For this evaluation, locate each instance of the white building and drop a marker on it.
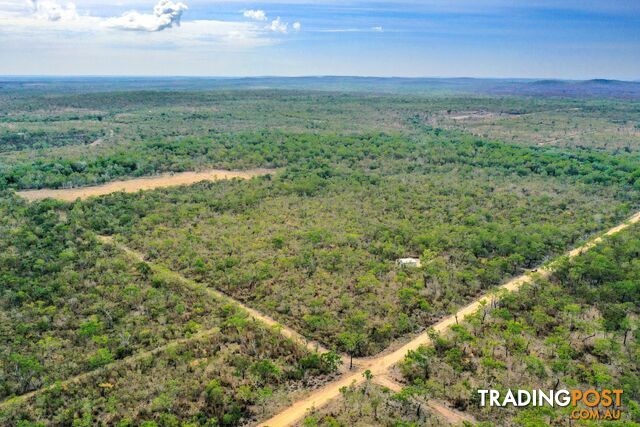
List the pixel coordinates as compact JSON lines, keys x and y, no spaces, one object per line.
{"x":409,"y":262}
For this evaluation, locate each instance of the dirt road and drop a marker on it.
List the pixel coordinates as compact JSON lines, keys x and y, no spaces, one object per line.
{"x":146,"y":183}
{"x":381,"y":364}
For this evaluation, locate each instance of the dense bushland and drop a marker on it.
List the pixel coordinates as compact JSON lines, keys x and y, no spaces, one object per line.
{"x":478,"y":187}
{"x":71,"y":305}
{"x":369,"y":152}
{"x":315,"y":245}
{"x":577,"y":330}
{"x":230,"y":376}
{"x":33,"y":140}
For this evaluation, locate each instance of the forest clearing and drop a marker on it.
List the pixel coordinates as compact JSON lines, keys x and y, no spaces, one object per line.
{"x":139,"y":184}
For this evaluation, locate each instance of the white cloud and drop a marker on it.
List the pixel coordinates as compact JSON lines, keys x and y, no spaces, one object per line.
{"x":377,"y":29}
{"x":297,"y":26}
{"x":166,"y":14}
{"x":278,"y":26}
{"x":52,"y":11}
{"x":57,"y":30}
{"x":204,"y":33}
{"x":258,"y":15}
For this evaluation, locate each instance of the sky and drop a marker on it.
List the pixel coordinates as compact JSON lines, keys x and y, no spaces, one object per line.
{"x":573,"y":39}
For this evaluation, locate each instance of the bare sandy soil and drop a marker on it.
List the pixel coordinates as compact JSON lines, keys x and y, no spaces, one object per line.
{"x":146,"y":183}
{"x":477,"y":115}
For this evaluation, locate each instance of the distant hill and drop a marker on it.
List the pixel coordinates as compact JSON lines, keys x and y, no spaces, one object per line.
{"x":585,"y":88}
{"x":596,"y":88}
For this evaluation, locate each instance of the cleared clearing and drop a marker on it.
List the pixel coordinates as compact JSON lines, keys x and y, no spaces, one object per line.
{"x":146,"y":183}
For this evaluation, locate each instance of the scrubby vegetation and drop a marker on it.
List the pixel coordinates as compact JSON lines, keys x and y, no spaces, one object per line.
{"x":232,"y":375}
{"x":365,"y":153}
{"x":89,"y":138}
{"x":478,"y":187}
{"x":372,"y":405}
{"x":577,"y":330}
{"x":71,"y":305}
{"x":315,"y":246}
{"x":27,"y":140}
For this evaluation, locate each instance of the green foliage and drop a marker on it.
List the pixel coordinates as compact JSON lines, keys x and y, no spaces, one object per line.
{"x":363,"y":180}
{"x":326,"y":363}
{"x":25,"y":139}
{"x":563,"y":338}
{"x":100,"y":358}
{"x":71,"y":303}
{"x":455,"y":199}
{"x":73,"y":306}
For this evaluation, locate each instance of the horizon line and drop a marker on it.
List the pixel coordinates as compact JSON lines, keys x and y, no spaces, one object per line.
{"x":316,"y":76}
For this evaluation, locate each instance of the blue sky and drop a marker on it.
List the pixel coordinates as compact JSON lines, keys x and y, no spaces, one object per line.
{"x":446,"y":38}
